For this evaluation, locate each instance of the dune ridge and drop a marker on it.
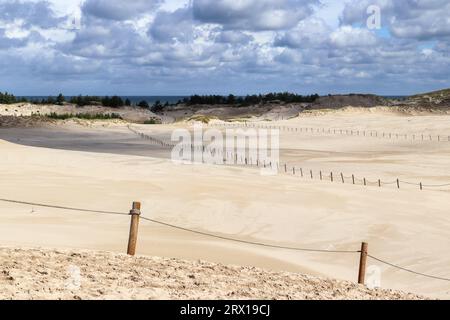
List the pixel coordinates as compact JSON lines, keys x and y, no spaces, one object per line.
{"x":74,"y":275}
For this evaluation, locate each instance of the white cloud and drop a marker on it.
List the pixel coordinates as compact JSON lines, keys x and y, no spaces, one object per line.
{"x":347,"y":36}
{"x":223,"y":45}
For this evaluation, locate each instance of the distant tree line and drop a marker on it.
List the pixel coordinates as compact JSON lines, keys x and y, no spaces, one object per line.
{"x":81,"y":101}
{"x":112,"y":102}
{"x":249,"y":99}
{"x":87,"y":116}
{"x":6,"y":98}
{"x":117,"y":102}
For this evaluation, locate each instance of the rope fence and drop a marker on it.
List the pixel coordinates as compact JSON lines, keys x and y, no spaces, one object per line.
{"x":345,"y":132}
{"x":210,"y":235}
{"x":408,"y":270}
{"x":62,"y":207}
{"x":135,"y":214}
{"x":242,"y":159}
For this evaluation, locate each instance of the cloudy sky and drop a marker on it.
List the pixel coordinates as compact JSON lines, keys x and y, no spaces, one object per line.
{"x":178,"y":47}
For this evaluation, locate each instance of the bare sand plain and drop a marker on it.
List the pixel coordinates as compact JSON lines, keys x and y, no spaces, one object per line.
{"x":408,"y":227}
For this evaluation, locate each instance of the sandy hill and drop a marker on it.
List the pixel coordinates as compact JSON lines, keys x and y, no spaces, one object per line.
{"x":22,"y":112}
{"x":439,"y":98}
{"x":353,"y":100}
{"x":19,"y":114}
{"x":46,"y":274}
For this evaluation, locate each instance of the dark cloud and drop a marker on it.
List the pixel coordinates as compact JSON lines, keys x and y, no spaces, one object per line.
{"x":253,"y":14}
{"x":99,"y":41}
{"x":414,"y":19}
{"x":308,"y":33}
{"x":38,"y":14}
{"x":119,"y":10}
{"x":173,"y":26}
{"x":234,"y":37}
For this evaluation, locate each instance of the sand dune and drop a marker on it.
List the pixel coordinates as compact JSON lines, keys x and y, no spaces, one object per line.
{"x":407,"y":227}
{"x":68,"y":275}
{"x":20,"y":111}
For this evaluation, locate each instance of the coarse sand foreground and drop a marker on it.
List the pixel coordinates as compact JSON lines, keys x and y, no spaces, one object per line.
{"x":57,"y":274}
{"x":406,"y":227}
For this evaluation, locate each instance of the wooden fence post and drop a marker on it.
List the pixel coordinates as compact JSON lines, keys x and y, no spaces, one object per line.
{"x":421,"y":186}
{"x":362,"y":263}
{"x":353,"y":178}
{"x":398,"y":183}
{"x":134,"y":226}
{"x":342,"y":177}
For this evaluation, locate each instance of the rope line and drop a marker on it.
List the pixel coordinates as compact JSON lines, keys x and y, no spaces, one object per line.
{"x":211,"y":235}
{"x":291,"y":248}
{"x":410,"y":183}
{"x":436,"y":185}
{"x":393,"y":182}
{"x":62,"y":207}
{"x":176,"y":227}
{"x":408,"y":270}
{"x":244,"y":241}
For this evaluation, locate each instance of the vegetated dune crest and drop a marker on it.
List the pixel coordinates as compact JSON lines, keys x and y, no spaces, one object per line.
{"x":387,"y":110}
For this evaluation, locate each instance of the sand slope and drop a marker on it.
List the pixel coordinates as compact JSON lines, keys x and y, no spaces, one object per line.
{"x":46,"y":274}
{"x":406,"y":227}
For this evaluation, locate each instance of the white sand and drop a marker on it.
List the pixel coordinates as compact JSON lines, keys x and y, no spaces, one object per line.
{"x":48,"y":274}
{"x":406,"y":226}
